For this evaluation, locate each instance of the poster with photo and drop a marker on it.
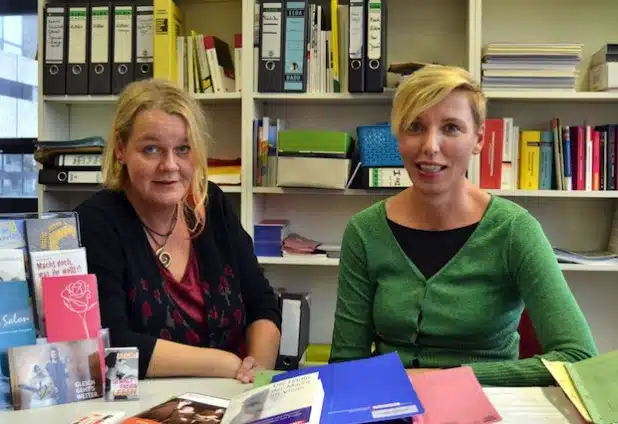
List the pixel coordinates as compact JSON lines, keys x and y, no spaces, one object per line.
{"x":55,"y":373}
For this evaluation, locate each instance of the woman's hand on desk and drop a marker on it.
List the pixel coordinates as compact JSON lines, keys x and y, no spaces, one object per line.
{"x":246,"y":371}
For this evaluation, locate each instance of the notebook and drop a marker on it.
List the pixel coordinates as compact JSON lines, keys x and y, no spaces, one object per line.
{"x":453,"y":396}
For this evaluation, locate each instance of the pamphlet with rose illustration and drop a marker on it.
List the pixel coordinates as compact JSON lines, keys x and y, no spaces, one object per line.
{"x":71,"y":305}
{"x":51,"y":263}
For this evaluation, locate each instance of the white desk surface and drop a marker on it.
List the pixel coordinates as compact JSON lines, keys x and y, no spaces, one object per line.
{"x":516,"y":405}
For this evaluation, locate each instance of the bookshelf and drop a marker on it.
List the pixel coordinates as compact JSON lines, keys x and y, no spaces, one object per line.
{"x":445,"y":31}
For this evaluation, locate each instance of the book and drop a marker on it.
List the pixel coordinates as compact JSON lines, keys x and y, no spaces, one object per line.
{"x":350,"y":394}
{"x":121,"y":373}
{"x":46,"y":374}
{"x":296,"y":400}
{"x":59,"y":233}
{"x":71,"y":307}
{"x":12,"y":265}
{"x":460,"y":390}
{"x":188,"y":407}
{"x":595,"y":384}
{"x":17,"y":328}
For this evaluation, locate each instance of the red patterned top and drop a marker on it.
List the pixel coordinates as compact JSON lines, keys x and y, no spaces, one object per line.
{"x":187,"y":292}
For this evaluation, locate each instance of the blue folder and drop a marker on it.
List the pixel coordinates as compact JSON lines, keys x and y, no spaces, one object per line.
{"x":364,"y":390}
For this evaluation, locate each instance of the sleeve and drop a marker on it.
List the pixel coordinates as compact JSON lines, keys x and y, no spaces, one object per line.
{"x":106,"y":260}
{"x":353,"y":332}
{"x":259,"y":298}
{"x":559,"y":324}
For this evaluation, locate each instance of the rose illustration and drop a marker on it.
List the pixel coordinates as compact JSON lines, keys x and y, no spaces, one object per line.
{"x":76,"y":297}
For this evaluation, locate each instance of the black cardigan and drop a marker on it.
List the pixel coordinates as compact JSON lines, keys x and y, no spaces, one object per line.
{"x":133,"y":302}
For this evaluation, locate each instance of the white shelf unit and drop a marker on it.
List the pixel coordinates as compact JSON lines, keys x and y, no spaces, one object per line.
{"x":444,"y":31}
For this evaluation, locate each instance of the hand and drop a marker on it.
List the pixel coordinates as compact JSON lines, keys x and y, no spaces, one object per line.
{"x":246,"y":371}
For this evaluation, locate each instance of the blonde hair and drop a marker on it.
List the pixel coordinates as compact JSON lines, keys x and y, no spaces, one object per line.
{"x":428,"y":87}
{"x":163,"y":95}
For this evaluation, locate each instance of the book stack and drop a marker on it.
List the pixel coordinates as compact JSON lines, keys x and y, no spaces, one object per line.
{"x":530,"y":66}
{"x":51,"y":340}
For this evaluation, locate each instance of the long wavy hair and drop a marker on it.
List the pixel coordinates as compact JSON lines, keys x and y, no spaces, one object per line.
{"x":162,"y":95}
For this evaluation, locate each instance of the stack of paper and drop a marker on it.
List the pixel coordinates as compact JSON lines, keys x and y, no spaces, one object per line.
{"x":530,"y":66}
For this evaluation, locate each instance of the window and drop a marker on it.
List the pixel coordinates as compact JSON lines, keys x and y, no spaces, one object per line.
{"x":18,"y":103}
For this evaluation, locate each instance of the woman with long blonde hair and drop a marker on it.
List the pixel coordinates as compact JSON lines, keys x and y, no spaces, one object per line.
{"x":176,"y":271}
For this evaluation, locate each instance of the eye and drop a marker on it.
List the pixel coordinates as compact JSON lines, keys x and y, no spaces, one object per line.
{"x":415,"y":127}
{"x":151,"y":150}
{"x":183,"y":150}
{"x":452,"y":129}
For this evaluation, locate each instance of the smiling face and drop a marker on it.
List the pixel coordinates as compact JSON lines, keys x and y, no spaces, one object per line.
{"x":436,"y":147}
{"x":157,"y":157}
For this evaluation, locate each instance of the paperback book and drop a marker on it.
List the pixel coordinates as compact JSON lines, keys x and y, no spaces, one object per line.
{"x":121,"y":373}
{"x":46,"y":374}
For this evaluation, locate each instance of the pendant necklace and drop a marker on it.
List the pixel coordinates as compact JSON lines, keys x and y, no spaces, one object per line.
{"x":163,"y":256}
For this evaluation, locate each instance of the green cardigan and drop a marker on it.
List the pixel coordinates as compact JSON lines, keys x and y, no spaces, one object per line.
{"x":468,"y":312}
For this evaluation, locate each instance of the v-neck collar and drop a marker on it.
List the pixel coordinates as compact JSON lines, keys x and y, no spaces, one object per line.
{"x":395,"y":246}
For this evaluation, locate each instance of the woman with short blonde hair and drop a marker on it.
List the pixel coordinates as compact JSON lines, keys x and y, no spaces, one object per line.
{"x":442,"y":271}
{"x":176,"y":271}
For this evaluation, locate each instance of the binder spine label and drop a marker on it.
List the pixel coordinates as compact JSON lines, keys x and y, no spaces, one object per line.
{"x":389,"y":177}
{"x":271,"y":32}
{"x":144,"y":50}
{"x":54,"y":37}
{"x":374,"y":32}
{"x":99,"y":52}
{"x":78,"y":160}
{"x":123,"y":36}
{"x":356,"y":29}
{"x":84,"y":177}
{"x":295,"y":46}
{"x":77,"y":35}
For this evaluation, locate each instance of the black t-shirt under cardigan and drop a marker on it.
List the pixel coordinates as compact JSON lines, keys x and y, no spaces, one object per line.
{"x":134,"y":303}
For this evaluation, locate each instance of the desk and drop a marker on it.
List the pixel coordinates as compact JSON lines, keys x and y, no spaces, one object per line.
{"x":516,"y":405}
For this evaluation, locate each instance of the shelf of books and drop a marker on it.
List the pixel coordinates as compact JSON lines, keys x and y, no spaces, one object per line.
{"x":278,"y":97}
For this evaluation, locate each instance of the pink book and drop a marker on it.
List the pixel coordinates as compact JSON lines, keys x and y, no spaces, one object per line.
{"x":71,"y":305}
{"x":452,"y":396}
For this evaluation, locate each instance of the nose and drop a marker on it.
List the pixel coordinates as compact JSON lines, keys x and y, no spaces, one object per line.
{"x":431,"y":141}
{"x":168,"y":162}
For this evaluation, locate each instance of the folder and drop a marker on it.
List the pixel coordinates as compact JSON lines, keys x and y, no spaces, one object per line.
{"x":100,"y":68}
{"x":78,"y":35}
{"x":295,"y":311}
{"x":272,"y":28}
{"x":168,"y":24}
{"x":122,"y":37}
{"x":144,"y":39}
{"x":375,"y":59}
{"x":54,"y":65}
{"x":295,"y":46}
{"x":357,"y":50}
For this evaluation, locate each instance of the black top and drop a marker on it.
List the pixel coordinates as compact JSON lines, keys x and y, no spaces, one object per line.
{"x":430,"y":250}
{"x":134,"y":302}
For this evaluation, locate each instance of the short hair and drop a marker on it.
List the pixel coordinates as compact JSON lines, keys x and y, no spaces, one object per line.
{"x":428,"y":87}
{"x":150,"y":94}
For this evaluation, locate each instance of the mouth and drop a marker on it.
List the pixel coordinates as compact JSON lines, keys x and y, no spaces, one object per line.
{"x":166,"y":183}
{"x":430,"y":168}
